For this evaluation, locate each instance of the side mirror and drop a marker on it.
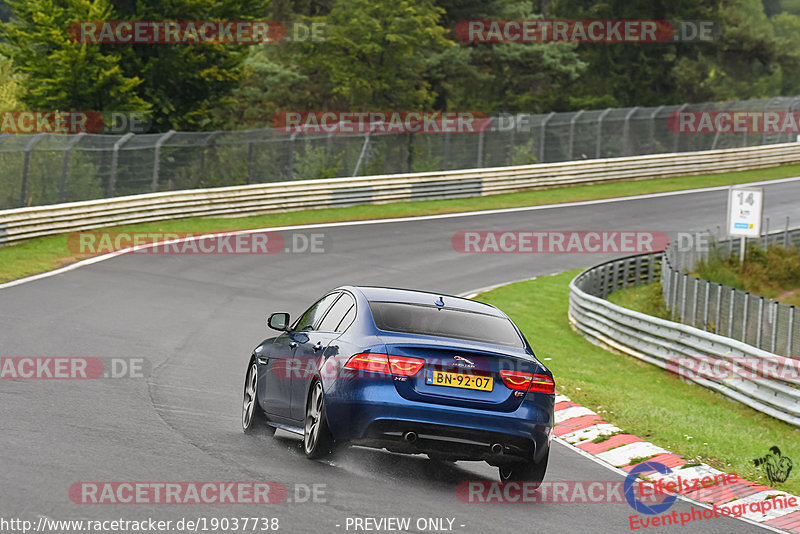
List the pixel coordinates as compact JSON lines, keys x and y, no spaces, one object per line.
{"x":279,"y":321}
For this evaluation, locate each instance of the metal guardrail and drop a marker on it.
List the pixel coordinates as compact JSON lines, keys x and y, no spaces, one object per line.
{"x":48,"y":168}
{"x":25,"y":223}
{"x":758,"y":321}
{"x":666,"y":344}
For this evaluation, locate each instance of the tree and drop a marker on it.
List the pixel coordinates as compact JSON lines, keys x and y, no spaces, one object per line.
{"x":630,"y":74}
{"x":59,"y":74}
{"x":375,"y":54}
{"x":9,"y":85}
{"x":743,"y":62}
{"x":507,"y":76}
{"x":185,"y":82}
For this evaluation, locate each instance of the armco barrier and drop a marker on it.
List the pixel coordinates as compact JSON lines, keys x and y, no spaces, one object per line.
{"x":662,"y":342}
{"x":25,"y":223}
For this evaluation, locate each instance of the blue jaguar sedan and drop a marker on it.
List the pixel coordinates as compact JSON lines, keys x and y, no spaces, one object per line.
{"x":409,"y":371}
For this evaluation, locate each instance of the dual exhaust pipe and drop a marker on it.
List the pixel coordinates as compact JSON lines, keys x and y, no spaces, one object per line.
{"x":411,"y":437}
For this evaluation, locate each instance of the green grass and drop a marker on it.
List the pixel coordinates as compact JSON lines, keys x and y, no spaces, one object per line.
{"x":644,"y":299}
{"x":773,"y":273}
{"x":640,"y":398}
{"x":44,"y":254}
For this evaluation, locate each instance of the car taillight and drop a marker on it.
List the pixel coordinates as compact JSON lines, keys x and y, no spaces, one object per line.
{"x":516,"y":380}
{"x":384,"y":363}
{"x":543,"y":384}
{"x":521,"y":381}
{"x":405,"y":366}
{"x":368,"y":361}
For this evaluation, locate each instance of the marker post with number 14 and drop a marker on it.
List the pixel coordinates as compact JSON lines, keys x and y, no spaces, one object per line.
{"x":745,"y":206}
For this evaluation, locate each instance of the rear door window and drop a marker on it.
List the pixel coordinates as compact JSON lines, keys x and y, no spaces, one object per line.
{"x":335,"y":319}
{"x":312,"y":315}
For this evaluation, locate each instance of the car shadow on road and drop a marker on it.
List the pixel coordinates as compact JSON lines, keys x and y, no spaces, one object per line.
{"x":402,"y":468}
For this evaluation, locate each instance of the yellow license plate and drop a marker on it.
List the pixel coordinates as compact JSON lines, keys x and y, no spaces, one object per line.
{"x":458,"y":380}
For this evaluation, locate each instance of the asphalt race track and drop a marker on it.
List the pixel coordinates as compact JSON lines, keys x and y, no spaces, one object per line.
{"x":196,"y":319}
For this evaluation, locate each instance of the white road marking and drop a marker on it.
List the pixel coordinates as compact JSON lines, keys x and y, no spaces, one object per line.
{"x":104,"y":257}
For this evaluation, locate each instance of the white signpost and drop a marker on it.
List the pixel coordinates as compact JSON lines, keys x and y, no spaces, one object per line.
{"x":745,"y":206}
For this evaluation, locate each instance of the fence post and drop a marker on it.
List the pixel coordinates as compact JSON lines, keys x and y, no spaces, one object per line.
{"x":543,"y":134}
{"x":685,"y":282}
{"x":249,"y":179}
{"x":791,"y":332}
{"x":786,"y":234}
{"x":62,"y":188}
{"x":572,"y":133}
{"x":290,"y":155}
{"x":674,"y":286}
{"x":480,"y":149}
{"x":760,"y":321}
{"x":719,"y":307}
{"x":730,"y":313}
{"x":25,"y":166}
{"x":157,"y":159}
{"x":511,"y":141}
{"x":653,"y":116}
{"x":446,"y":151}
{"x":694,"y":302}
{"x":705,"y":306}
{"x":112,"y":178}
{"x":744,"y":316}
{"x":626,"y":131}
{"x":206,"y":143}
{"x":775,"y":309}
{"x":676,"y":136}
{"x":363,"y":153}
{"x":600,"y":132}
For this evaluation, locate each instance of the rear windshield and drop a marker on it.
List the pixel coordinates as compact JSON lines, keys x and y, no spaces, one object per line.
{"x":435,"y":321}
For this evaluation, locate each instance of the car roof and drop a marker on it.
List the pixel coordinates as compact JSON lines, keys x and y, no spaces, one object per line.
{"x":412,"y":296}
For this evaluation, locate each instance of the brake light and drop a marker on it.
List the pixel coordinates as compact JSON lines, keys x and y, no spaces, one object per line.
{"x":405,"y":366}
{"x":521,"y":381}
{"x":543,"y":384}
{"x":383,"y":363}
{"x":367,"y":361}
{"x":516,"y":380}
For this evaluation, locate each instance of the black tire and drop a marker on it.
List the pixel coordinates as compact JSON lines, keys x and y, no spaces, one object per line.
{"x":253,"y":418}
{"x":528,"y":471}
{"x":317,"y":438}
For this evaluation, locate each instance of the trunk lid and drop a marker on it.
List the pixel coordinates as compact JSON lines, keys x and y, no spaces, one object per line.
{"x":460,"y":373}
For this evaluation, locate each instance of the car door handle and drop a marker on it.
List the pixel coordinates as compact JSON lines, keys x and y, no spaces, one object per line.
{"x":293,"y":344}
{"x":262,"y":360}
{"x":317,"y":347}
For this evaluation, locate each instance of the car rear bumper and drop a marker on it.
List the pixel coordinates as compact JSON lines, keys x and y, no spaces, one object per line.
{"x":378,"y":416}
